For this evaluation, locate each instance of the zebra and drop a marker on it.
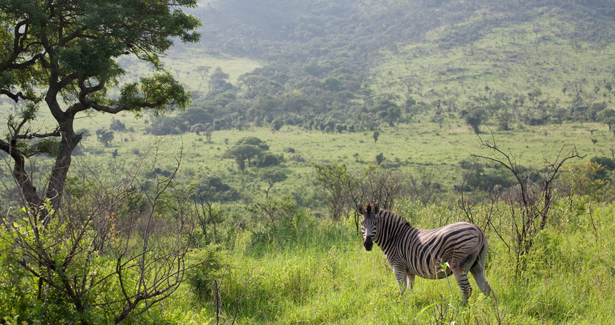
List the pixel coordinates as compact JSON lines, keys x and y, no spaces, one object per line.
{"x":429,"y":253}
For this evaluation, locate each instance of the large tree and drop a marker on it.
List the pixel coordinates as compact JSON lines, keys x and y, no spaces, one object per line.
{"x":62,"y":56}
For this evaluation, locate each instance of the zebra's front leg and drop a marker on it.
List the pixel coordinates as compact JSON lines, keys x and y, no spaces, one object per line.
{"x":410,"y":280}
{"x":400,"y":276}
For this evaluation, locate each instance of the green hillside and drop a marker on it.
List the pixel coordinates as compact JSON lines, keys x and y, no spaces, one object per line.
{"x":241,"y":207}
{"x":356,"y":63}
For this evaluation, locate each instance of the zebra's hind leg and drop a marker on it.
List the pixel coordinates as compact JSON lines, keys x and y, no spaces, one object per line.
{"x":464,"y":284}
{"x":478,"y":271}
{"x":479,"y":276}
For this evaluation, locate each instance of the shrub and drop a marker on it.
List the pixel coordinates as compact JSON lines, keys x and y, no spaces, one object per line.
{"x":270,"y":159}
{"x":117,"y":125}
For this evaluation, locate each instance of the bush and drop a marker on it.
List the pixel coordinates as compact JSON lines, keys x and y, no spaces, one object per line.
{"x":606,"y":162}
{"x":214,"y":189}
{"x":117,"y":125}
{"x":270,"y":159}
{"x":201,"y":278}
{"x":270,"y":216}
{"x":586,"y":179}
{"x":166,"y":125}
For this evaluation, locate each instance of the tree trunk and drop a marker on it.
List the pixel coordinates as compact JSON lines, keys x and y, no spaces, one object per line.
{"x":69,"y":141}
{"x":475,"y":128}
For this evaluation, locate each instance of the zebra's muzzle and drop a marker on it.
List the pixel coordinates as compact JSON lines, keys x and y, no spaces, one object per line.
{"x":368,"y":244}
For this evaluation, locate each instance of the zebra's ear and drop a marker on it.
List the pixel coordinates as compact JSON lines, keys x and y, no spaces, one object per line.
{"x":361,"y":210}
{"x":376,"y":208}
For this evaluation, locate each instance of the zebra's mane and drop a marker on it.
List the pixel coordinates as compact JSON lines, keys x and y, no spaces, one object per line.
{"x":394,"y":216}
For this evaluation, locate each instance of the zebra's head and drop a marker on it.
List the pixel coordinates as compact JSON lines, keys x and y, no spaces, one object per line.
{"x":368,"y":225}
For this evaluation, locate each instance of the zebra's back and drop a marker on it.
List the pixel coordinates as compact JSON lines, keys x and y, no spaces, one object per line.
{"x":426,"y":250}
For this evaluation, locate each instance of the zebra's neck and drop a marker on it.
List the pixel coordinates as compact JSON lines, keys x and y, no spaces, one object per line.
{"x":390,"y":226}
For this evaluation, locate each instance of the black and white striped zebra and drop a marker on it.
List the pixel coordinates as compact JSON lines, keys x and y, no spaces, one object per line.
{"x":428,"y":253}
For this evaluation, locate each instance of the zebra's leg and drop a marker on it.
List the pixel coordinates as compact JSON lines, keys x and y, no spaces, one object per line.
{"x":400,"y":276}
{"x":479,"y":277}
{"x":478,"y":271}
{"x":410,"y":280}
{"x":464,"y":284}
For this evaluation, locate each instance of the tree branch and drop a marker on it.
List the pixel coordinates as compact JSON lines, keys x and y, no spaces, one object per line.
{"x":17,"y":96}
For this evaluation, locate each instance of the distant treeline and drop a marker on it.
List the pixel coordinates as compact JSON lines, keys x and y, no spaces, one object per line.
{"x":320,"y":55}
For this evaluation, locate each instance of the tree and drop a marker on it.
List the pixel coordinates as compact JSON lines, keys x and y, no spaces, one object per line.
{"x":560,"y":114}
{"x":375,"y":136}
{"x":607,"y":117}
{"x":474,"y":118}
{"x":203,"y":71}
{"x":241,"y":152}
{"x":388,"y":111}
{"x":332,"y":84}
{"x":379,"y":158}
{"x":117,"y":125}
{"x":218,"y":80}
{"x":342,"y":187}
{"x":504,"y":120}
{"x":277,"y":124}
{"x":530,"y":207}
{"x":254,"y":141}
{"x":272,"y":177}
{"x":55,"y":53}
{"x":104,"y":136}
{"x":271,"y":214}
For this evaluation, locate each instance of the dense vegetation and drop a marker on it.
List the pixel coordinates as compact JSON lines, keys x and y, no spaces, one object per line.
{"x":343,"y":65}
{"x":240,"y":208}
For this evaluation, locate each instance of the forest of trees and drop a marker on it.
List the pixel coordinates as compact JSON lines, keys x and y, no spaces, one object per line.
{"x":320,"y":62}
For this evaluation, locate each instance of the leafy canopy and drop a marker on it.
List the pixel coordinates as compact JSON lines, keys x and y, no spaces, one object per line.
{"x":73,"y":48}
{"x":65,"y":55}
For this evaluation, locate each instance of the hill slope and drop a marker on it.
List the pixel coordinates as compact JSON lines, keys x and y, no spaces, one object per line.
{"x":340,"y":61}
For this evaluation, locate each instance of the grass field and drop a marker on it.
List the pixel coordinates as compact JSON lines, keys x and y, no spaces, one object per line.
{"x":513,"y":59}
{"x":416,"y":148}
{"x":185,"y":64}
{"x":317,"y":272}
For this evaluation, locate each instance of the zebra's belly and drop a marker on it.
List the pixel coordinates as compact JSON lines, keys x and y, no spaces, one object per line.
{"x":434,"y":269}
{"x":437,"y":275}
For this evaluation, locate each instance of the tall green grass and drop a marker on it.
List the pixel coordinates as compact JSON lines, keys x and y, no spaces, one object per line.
{"x":317,"y":272}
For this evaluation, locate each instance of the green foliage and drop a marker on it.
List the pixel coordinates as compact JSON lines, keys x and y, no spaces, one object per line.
{"x":493,"y":179}
{"x":375,"y":136}
{"x":253,"y":141}
{"x":104,"y":136}
{"x":270,"y":216}
{"x":589,"y":179}
{"x":241,"y":152}
{"x":50,"y":146}
{"x":605,"y":162}
{"x":379,"y":158}
{"x":214,"y":189}
{"x":201,"y":279}
{"x":340,"y":184}
{"x":272,"y":176}
{"x":474,"y":117}
{"x":117,"y":125}
{"x":322,"y":273}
